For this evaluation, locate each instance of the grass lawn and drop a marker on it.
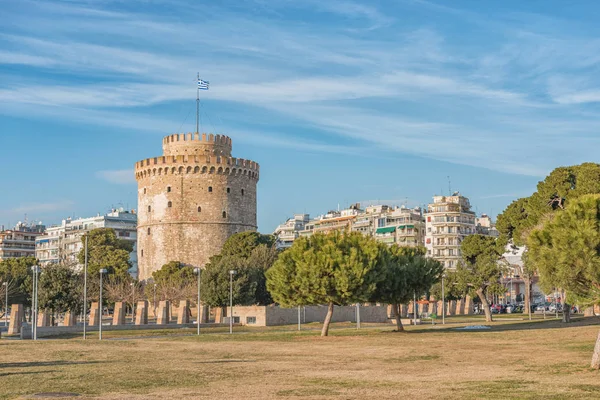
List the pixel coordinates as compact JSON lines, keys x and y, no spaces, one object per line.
{"x":515,"y":359}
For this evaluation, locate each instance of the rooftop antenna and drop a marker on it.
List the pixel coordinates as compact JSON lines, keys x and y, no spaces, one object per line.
{"x":449,"y":186}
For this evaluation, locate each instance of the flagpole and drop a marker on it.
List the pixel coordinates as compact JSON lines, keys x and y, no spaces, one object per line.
{"x":197,"y":102}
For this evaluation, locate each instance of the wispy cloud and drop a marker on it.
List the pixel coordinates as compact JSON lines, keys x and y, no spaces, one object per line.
{"x":42,"y":207}
{"x":120,"y":177}
{"x":363,"y":84}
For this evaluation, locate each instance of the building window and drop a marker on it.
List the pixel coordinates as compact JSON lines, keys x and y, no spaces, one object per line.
{"x":228,"y":190}
{"x":242,"y":192}
{"x":144,"y":190}
{"x":210,"y":189}
{"x":149,"y":208}
{"x":224,"y":214}
{"x":199,"y":209}
{"x":170,"y":204}
{"x":236,"y":320}
{"x":148,"y":231}
{"x":250,"y":320}
{"x":168,"y":189}
{"x":142,"y":253}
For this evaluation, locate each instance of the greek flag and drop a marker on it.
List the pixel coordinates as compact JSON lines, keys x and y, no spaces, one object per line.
{"x":203,"y":85}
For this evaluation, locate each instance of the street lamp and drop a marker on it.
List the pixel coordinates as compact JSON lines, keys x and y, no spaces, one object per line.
{"x":357,"y":315}
{"x":85,"y":268}
{"x":443,"y":303}
{"x":197,"y":271}
{"x":132,"y":284}
{"x":34,"y":306}
{"x":154,"y":301}
{"x":231,"y":273}
{"x":102,"y":272}
{"x":5,"y":284}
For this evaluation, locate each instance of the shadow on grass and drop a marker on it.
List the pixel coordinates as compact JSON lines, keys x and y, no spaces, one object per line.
{"x":224,"y":361}
{"x":2,"y":374}
{"x":45,"y":363}
{"x":498,"y":326}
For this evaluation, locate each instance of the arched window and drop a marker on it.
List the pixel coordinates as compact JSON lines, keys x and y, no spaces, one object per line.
{"x":149,"y":208}
{"x":170,"y":204}
{"x":148,"y":231}
{"x":228,"y":190}
{"x":242,"y":192}
{"x":168,"y":189}
{"x":144,"y":190}
{"x":199,"y":209}
{"x":224,"y":214}
{"x":210,"y":189}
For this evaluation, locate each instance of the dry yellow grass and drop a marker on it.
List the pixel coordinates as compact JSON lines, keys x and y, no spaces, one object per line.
{"x":511,"y":361}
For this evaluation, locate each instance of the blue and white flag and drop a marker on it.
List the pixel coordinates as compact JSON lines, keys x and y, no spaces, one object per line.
{"x":203,"y":85}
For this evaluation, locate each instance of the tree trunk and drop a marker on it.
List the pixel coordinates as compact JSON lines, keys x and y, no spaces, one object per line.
{"x":485,"y":305}
{"x":566,"y":313}
{"x":528,"y":295}
{"x":396,"y":308}
{"x":596,"y":355}
{"x":325,"y":330}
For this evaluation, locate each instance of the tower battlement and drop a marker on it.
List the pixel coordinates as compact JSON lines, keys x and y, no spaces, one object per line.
{"x":196,"y":144}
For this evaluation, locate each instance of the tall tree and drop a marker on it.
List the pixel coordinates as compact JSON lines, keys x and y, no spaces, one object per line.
{"x":18,"y":272}
{"x":60,"y":289}
{"x":332,"y":269}
{"x":106,"y":251}
{"x":250,"y":254}
{"x":407,"y":272}
{"x":480,"y":271}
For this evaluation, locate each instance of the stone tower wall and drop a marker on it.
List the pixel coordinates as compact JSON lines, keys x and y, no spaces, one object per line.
{"x":191,"y":200}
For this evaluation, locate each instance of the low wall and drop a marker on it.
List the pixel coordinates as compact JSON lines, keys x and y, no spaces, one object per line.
{"x":275,"y":315}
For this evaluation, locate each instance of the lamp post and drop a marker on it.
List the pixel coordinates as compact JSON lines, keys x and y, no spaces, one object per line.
{"x":154,"y":301}
{"x":132,"y":284}
{"x":299,"y":313}
{"x":85,"y":265}
{"x":102,"y":272}
{"x":197,"y":271}
{"x":357,"y":315}
{"x":443,"y":303}
{"x":34,"y":306}
{"x":231,"y":273}
{"x":5,"y":284}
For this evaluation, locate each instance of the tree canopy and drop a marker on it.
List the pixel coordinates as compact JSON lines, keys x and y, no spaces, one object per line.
{"x":480,"y":270}
{"x":17,"y":271}
{"x":553,"y":193}
{"x":60,"y":289}
{"x":250,"y":255}
{"x":332,"y":269}
{"x":105,"y":250}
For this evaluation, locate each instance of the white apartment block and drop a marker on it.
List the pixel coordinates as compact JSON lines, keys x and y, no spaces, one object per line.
{"x":287,"y":232}
{"x":63,"y":243}
{"x":448,"y":221}
{"x":402,"y":226}
{"x":20,"y":241}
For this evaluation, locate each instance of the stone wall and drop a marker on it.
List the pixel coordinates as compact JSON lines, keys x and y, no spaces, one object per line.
{"x":275,"y":315}
{"x":190,"y":203}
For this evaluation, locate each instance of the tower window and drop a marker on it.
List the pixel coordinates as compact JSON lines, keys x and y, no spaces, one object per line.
{"x":228,"y":190}
{"x":242,"y":192}
{"x":199,"y":209}
{"x":149,"y":208}
{"x":148,"y":231}
{"x":224,"y":214}
{"x":144,"y":190}
{"x":210,"y":189}
{"x":170,"y":204}
{"x":168,"y":189}
{"x":142,"y":252}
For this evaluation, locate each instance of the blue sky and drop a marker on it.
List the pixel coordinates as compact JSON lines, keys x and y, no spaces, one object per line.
{"x":339,"y":101}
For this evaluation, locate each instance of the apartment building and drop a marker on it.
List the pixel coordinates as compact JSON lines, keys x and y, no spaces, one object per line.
{"x":62,"y":243}
{"x":402,"y":226}
{"x":287,"y":232}
{"x":20,"y":241}
{"x":449,"y":219}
